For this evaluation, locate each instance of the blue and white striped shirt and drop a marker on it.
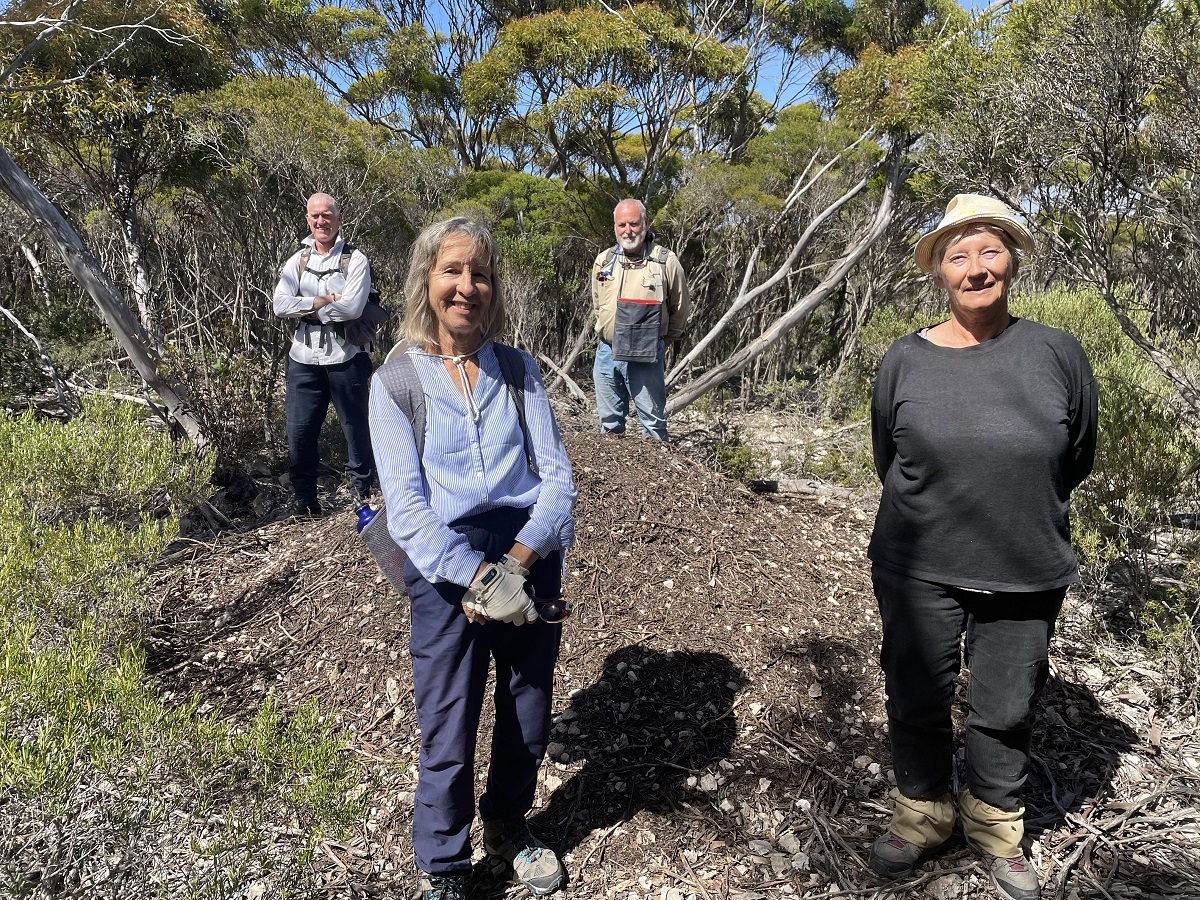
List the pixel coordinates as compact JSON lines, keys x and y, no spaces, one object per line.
{"x":470,"y":467}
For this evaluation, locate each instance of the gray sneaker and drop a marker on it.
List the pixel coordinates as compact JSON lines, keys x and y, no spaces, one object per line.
{"x":1014,"y":878}
{"x":510,"y":844}
{"x":892,"y":856}
{"x":443,"y":887}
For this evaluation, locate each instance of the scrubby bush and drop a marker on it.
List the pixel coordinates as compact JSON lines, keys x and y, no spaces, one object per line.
{"x":98,"y":776}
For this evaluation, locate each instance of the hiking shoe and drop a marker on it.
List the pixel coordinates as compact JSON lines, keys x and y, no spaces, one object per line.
{"x":1014,"y":877}
{"x":892,"y":856}
{"x":443,"y":887}
{"x":510,"y":844}
{"x":307,"y":508}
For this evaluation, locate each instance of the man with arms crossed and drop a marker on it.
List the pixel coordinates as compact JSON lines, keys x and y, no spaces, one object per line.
{"x":320,"y":293}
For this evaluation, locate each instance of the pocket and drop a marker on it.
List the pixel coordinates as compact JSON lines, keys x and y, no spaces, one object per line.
{"x":635,"y":337}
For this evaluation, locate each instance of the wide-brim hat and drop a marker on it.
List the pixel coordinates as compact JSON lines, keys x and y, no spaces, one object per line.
{"x":971,"y":209}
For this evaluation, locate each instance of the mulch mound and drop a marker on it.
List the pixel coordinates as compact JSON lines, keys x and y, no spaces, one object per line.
{"x":719,"y":720}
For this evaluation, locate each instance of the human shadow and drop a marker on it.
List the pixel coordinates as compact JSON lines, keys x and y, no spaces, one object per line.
{"x":653,"y":720}
{"x":1077,"y":749}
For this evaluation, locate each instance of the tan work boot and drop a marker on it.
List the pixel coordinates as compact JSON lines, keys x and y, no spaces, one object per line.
{"x":917,"y":826}
{"x":997,"y":834}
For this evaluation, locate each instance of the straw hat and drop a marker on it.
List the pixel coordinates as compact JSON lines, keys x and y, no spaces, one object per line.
{"x":969,"y":209}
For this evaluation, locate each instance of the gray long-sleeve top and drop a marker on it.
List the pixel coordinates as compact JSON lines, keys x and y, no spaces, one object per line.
{"x":978,"y":449}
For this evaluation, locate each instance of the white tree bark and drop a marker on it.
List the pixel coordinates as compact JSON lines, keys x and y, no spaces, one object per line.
{"x":735,"y":364}
{"x":116,"y":313}
{"x":746,"y":294}
{"x":126,"y":213}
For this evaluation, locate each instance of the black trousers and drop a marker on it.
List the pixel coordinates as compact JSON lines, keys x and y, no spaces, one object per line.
{"x":1007,"y":639}
{"x":310,"y":389}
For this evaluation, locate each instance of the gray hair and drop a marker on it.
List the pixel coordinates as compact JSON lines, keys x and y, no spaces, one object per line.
{"x":333,"y":204}
{"x":420,"y":324}
{"x":952,"y":237}
{"x":640,"y":205}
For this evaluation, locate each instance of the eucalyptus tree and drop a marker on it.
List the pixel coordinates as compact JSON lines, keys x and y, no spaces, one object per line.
{"x":59,"y":49}
{"x":1086,"y":113}
{"x":394,"y":63}
{"x":101,"y":109}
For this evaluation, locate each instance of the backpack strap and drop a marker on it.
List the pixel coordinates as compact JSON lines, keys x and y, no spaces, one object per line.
{"x":302,"y":263}
{"x":512,"y":367}
{"x":344,"y":262}
{"x":398,"y":375}
{"x":609,"y":263}
{"x":658,"y":254}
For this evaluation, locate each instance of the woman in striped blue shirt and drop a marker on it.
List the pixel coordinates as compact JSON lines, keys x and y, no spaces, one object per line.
{"x":481,"y":503}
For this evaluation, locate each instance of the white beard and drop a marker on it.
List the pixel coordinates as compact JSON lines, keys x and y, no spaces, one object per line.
{"x":632,"y":245}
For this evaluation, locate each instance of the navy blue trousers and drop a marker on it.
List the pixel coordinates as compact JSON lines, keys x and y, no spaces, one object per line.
{"x":1007,"y":640}
{"x":309,"y":392}
{"x":450,"y":658}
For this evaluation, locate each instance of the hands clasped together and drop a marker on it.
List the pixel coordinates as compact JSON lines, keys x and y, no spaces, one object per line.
{"x":500,"y":593}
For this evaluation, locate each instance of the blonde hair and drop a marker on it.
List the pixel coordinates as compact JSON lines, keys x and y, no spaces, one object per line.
{"x":420,"y":324}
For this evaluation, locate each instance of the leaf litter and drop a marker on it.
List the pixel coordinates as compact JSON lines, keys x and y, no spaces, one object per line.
{"x":719,"y":729}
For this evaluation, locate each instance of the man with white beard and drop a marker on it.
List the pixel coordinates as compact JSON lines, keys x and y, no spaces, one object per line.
{"x":640,"y":299}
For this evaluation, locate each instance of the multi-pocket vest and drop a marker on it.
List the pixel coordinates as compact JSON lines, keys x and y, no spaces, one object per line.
{"x":641,"y":295}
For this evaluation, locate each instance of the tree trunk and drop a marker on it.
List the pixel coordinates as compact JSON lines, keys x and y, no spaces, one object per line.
{"x":126,"y":214}
{"x":116,"y":313}
{"x":721,"y":373}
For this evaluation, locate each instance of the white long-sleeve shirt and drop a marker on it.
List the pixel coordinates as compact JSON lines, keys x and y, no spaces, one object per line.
{"x":296,"y":291}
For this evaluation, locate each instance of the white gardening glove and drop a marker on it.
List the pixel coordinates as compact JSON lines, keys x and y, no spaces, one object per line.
{"x":500,"y":594}
{"x":510,"y":564}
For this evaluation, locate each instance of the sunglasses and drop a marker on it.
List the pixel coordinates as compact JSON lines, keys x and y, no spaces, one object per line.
{"x":553,"y":611}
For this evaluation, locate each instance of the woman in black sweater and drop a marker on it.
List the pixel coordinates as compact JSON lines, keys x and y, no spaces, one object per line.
{"x":981,"y":427}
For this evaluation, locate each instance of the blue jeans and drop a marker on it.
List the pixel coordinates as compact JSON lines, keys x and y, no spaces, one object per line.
{"x":450,"y":659}
{"x":1007,"y":639}
{"x":309,"y":392}
{"x":619,"y":382}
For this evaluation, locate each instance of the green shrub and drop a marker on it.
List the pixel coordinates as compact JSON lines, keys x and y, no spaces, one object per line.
{"x":1144,"y":454}
{"x":736,"y":459}
{"x":86,"y":746}
{"x":106,"y":462}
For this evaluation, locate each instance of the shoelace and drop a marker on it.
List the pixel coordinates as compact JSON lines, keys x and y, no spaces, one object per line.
{"x":445,"y":888}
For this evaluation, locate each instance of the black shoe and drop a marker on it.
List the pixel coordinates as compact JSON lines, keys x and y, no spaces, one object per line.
{"x":307,"y":508}
{"x":443,"y":887}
